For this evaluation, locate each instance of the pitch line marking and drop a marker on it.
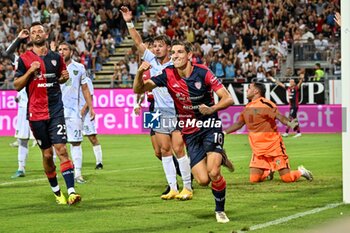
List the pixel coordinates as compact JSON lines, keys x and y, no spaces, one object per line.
{"x":291,"y":217}
{"x":104,"y":172}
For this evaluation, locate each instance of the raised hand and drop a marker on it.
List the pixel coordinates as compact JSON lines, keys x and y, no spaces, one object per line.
{"x":337,"y":18}
{"x":127,"y":14}
{"x":144,"y":66}
{"x":23,"y":34}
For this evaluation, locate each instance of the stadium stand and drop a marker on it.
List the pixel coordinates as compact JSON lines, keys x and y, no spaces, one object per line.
{"x":281,"y":36}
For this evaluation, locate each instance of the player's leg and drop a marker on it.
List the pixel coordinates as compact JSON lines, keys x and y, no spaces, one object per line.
{"x":291,"y":112}
{"x":184,"y":165}
{"x":40,"y":131}
{"x":89,"y":129}
{"x":155,"y":145}
{"x":297,"y":128}
{"x":22,"y":134}
{"x":218,"y":185}
{"x":75,"y":137}
{"x":57,"y":135}
{"x":289,"y":176}
{"x":164,"y":141}
{"x":96,"y":147}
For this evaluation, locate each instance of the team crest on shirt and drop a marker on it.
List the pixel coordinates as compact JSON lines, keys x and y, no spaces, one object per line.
{"x":198,"y":85}
{"x":54,"y":62}
{"x":75,"y":72}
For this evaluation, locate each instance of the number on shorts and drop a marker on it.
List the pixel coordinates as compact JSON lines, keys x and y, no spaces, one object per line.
{"x":61,"y":129}
{"x":218,"y":138}
{"x":77,"y":133}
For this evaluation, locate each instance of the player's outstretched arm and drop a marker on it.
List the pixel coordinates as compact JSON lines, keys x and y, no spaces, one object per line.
{"x":139,"y":85}
{"x":233,"y":128}
{"x":127,"y":16}
{"x":284,"y":120}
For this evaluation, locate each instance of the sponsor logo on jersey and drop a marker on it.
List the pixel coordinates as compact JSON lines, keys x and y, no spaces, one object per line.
{"x":45,"y":84}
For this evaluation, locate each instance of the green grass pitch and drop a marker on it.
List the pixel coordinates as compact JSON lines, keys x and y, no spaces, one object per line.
{"x":125,"y":196}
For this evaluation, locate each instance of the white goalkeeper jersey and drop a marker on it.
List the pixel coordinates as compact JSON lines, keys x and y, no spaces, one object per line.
{"x":71,"y":90}
{"x":162,"y":99}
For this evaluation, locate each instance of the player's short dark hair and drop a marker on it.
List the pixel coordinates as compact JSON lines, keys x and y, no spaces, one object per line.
{"x":261,"y":88}
{"x":149,"y":40}
{"x":35,"y":24}
{"x":188,"y":46}
{"x":163,"y":38}
{"x":71,"y":48}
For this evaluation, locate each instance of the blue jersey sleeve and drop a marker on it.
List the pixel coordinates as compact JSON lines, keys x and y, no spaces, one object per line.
{"x":161,"y":79}
{"x":21,"y":68}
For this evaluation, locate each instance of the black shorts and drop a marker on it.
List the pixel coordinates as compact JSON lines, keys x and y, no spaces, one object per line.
{"x":293,"y":112}
{"x":200,"y":143}
{"x":49,"y":132}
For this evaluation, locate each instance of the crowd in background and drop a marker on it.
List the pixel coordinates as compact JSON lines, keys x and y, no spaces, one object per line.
{"x":239,"y":40}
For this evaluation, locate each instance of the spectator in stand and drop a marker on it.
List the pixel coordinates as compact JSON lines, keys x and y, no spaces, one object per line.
{"x":217,"y":46}
{"x":337,"y":65}
{"x":321,"y":45}
{"x":260,"y":74}
{"x":229,"y":70}
{"x":227,"y":46}
{"x":133,"y":67}
{"x":206,"y":47}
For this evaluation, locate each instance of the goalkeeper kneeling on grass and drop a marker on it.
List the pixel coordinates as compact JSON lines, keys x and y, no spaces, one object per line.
{"x":269,"y":152}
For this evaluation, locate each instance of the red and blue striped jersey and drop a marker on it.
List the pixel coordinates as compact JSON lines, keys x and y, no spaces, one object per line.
{"x":190,"y":92}
{"x":43,"y":89}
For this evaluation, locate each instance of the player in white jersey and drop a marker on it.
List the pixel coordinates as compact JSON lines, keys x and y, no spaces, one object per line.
{"x":169,"y":138}
{"x":23,"y":132}
{"x":89,"y":128}
{"x":71,"y":91}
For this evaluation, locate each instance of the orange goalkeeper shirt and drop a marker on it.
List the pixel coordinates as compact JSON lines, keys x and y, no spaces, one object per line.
{"x":259,"y":117}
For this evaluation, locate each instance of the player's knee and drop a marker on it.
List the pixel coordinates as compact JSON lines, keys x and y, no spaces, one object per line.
{"x":255,"y":178}
{"x":203,"y":181}
{"x":179,"y":150}
{"x":165,"y":150}
{"x":214,"y":173}
{"x":61,"y":151}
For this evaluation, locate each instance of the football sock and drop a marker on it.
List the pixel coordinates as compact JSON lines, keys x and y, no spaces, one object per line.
{"x":170,"y":171}
{"x":68,"y":175}
{"x":22,"y":153}
{"x":184,"y":166}
{"x":52,"y":177}
{"x":218,"y":189}
{"x":176,"y":163}
{"x":291,"y":177}
{"x":98,"y":153}
{"x":77,"y":156}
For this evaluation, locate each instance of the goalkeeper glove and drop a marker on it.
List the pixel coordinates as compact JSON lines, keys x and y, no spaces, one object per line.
{"x":292,"y":124}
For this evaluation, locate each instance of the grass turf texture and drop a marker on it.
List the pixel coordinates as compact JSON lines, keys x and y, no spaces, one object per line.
{"x":125,"y":195}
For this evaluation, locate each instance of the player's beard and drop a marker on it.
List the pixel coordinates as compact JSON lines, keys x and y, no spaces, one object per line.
{"x":40,"y":42}
{"x":67,"y":59}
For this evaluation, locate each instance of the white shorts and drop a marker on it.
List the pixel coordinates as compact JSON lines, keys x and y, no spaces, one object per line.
{"x":22,"y":127}
{"x":74,"y":129}
{"x":89,"y":127}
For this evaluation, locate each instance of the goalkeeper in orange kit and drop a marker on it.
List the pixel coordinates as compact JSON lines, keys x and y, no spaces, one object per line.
{"x":269,"y":152}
